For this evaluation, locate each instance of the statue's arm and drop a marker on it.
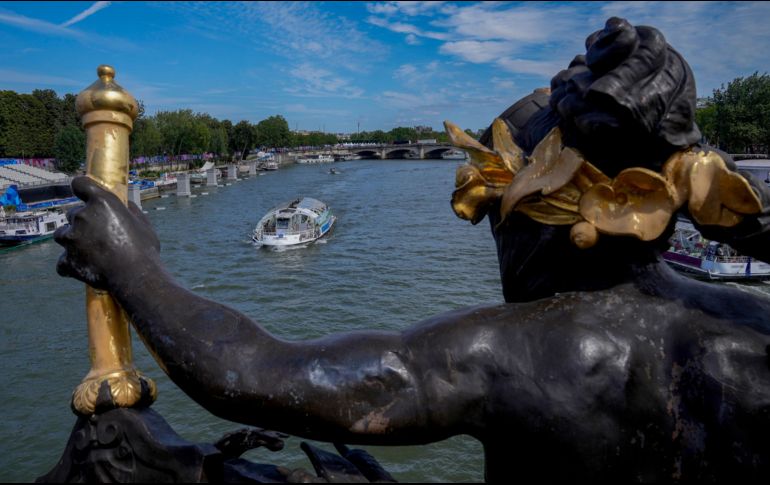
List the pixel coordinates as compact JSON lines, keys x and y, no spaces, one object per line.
{"x":365,"y":387}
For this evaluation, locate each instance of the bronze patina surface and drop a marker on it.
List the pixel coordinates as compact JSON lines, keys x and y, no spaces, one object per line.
{"x":603,"y":364}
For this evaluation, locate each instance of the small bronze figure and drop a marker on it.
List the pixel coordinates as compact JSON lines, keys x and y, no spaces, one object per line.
{"x":602,"y":365}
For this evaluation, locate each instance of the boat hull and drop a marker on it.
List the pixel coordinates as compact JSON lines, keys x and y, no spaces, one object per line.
{"x":8,"y":241}
{"x":294,"y":239}
{"x":718,"y":271}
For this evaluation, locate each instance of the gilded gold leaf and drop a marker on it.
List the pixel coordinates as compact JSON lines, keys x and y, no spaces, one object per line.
{"x":587,"y":176}
{"x":488,"y":162}
{"x":551,"y":167}
{"x":677,"y":171}
{"x":718,"y":195}
{"x":502,"y":139}
{"x":543,"y":212}
{"x":473,"y":195}
{"x":638,"y":202}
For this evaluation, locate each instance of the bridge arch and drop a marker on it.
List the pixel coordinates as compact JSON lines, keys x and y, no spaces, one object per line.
{"x":436,"y":152}
{"x":368,"y":153}
{"x":399,"y":153}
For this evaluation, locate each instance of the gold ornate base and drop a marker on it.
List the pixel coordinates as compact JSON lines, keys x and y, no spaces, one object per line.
{"x":125,"y":390}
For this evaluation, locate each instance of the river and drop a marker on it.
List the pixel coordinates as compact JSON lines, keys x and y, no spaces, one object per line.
{"x":397,"y":255}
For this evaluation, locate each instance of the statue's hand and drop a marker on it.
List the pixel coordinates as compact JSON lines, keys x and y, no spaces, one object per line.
{"x":105,"y":240}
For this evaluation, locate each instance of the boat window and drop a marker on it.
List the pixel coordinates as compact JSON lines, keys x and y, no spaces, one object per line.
{"x":50,"y":226}
{"x":283,"y":223}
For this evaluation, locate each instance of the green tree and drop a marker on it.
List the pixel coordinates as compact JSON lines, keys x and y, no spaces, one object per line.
{"x":146,"y":139}
{"x":70,"y":115}
{"x":273,"y":132}
{"x":70,"y":149}
{"x":706,"y":118}
{"x":737,"y":117}
{"x":228,"y":127}
{"x":24,"y":128}
{"x":200,"y":137}
{"x":403,"y":134}
{"x":179,"y":131}
{"x":243,"y":138}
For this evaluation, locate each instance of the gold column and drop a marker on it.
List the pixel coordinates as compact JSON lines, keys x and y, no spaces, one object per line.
{"x":107,"y":113}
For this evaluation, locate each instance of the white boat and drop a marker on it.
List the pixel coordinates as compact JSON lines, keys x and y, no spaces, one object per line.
{"x":695,"y":255}
{"x":200,"y":176}
{"x":166,"y":180}
{"x":300,"y":221}
{"x":454,"y":155}
{"x":270,"y":165}
{"x":28,"y":227}
{"x":316,"y":159}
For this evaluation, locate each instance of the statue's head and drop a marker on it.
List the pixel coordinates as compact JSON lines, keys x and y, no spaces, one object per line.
{"x":630,"y":94}
{"x":603,"y":166}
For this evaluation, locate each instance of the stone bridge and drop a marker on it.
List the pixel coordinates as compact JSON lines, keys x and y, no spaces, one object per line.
{"x":417,"y":151}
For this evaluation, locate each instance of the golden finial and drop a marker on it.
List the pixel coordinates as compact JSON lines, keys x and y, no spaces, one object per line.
{"x":106,"y":94}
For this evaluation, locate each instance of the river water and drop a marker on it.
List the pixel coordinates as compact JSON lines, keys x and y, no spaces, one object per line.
{"x":397,"y":255}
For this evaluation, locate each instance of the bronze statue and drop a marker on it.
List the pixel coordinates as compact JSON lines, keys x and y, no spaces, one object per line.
{"x":602,"y":365}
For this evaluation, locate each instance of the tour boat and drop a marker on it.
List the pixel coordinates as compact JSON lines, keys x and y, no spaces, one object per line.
{"x":454,"y":155}
{"x":300,"y":221}
{"x":316,"y":159}
{"x":695,"y":255}
{"x":270,"y":165}
{"x":28,"y":227}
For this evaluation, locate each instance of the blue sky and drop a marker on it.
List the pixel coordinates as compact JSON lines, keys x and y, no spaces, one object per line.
{"x":338,"y":66}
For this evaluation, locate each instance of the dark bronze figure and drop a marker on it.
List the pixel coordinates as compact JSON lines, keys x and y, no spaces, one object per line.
{"x":603,"y":365}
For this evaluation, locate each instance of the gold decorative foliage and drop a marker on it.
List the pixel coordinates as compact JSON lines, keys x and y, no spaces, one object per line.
{"x":638,"y":202}
{"x":480,"y":182}
{"x":557,"y":186}
{"x":551,"y":167}
{"x":125,"y":390}
{"x":718,"y":195}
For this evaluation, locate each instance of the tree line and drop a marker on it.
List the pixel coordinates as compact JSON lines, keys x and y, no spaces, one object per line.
{"x":736,"y":118}
{"x":43,"y":125}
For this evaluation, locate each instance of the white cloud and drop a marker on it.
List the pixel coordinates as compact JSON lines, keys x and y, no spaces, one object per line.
{"x":300,"y":31}
{"x":313,"y":81}
{"x":387,"y":8}
{"x":424,"y":77}
{"x":412,"y":39}
{"x":40,"y":26}
{"x":405,"y":70}
{"x":86,"y":13}
{"x":478,"y":51}
{"x":519,"y":23}
{"x":403,"y":28}
{"x":48,"y":28}
{"x":410,"y":8}
{"x":517,"y":38}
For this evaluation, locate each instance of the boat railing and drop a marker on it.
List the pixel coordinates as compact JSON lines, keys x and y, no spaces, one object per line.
{"x":304,"y":234}
{"x":731,"y":259}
